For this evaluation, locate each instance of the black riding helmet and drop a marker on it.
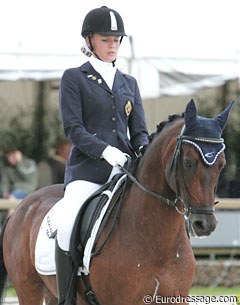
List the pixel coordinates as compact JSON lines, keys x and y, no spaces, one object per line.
{"x":103,"y":21}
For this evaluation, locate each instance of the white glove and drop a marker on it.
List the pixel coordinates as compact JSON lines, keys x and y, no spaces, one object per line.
{"x":114,"y":156}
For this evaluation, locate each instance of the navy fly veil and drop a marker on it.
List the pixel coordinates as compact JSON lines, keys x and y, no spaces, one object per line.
{"x":205,"y":133}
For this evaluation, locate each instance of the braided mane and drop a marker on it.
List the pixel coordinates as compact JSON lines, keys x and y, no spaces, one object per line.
{"x":161,"y":125}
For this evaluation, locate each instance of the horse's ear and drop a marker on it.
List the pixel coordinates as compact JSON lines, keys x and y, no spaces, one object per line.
{"x":223,"y":116}
{"x":190,"y":114}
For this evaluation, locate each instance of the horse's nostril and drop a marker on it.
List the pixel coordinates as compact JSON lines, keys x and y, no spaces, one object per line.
{"x":202,"y":225}
{"x":199,"y":225}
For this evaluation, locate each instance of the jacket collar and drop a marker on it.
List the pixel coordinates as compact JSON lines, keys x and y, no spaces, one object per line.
{"x":92,"y":75}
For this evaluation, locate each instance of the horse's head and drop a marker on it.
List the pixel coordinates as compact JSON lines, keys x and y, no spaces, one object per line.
{"x":195,"y":167}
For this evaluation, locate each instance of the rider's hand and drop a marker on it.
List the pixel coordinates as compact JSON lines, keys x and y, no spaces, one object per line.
{"x":114,"y":156}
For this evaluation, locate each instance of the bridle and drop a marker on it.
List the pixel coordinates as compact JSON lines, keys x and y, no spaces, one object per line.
{"x":175,"y":165}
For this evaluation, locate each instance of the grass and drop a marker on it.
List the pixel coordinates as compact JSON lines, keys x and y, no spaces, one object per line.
{"x":10,"y":292}
{"x":233,"y":291}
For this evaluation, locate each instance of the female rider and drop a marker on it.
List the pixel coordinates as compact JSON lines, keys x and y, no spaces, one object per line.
{"x":103,"y":117}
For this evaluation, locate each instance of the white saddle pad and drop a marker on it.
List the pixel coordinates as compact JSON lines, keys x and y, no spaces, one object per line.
{"x":45,"y":245}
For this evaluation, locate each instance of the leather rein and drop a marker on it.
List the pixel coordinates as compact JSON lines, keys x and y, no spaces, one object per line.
{"x":175,"y":164}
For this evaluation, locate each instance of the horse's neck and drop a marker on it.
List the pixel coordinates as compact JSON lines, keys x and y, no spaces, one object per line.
{"x":147,"y":215}
{"x":151,"y":172}
{"x":152,"y":169}
{"x":150,"y":226}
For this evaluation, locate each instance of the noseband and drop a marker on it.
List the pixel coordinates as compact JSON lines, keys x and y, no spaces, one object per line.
{"x":175,"y":164}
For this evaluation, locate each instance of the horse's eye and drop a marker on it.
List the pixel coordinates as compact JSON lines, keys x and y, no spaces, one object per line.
{"x":188,"y":163}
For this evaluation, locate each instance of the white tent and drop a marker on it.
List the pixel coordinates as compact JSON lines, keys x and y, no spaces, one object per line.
{"x":178,"y":46}
{"x":156,"y":76}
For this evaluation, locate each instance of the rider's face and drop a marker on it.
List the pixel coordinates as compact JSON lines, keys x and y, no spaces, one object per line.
{"x":105,"y":47}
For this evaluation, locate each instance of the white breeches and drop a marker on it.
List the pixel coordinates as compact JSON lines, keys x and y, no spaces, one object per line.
{"x":75,"y":195}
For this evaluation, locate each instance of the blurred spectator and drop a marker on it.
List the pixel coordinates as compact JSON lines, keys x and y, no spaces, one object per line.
{"x":51,"y":171}
{"x":19,"y":175}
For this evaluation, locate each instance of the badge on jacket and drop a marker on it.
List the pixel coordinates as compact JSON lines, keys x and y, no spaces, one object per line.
{"x":128,"y":107}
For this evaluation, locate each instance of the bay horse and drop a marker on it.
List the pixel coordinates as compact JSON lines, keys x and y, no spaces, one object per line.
{"x":149,"y":255}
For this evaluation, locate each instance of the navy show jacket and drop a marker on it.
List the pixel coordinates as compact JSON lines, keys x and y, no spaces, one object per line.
{"x":94,"y":116}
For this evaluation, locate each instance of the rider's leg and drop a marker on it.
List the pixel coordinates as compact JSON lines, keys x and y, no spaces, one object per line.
{"x":64,"y":270}
{"x":75,"y":195}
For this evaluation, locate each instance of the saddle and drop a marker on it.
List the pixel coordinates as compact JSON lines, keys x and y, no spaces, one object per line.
{"x":90,"y":212}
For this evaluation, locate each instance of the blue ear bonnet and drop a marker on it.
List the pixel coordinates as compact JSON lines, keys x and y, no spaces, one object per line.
{"x":205,"y":133}
{"x":205,"y":128}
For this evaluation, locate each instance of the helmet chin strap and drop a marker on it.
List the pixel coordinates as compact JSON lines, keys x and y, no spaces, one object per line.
{"x":91,"y":47}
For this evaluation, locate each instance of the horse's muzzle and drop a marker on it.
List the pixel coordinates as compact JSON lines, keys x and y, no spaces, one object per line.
{"x":202,"y":224}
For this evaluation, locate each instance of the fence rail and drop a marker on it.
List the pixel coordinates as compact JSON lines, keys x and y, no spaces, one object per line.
{"x":224,"y":203}
{"x":227,"y":204}
{"x":6,"y":204}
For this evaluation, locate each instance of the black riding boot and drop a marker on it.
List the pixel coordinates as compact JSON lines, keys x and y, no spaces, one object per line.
{"x":64,"y":270}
